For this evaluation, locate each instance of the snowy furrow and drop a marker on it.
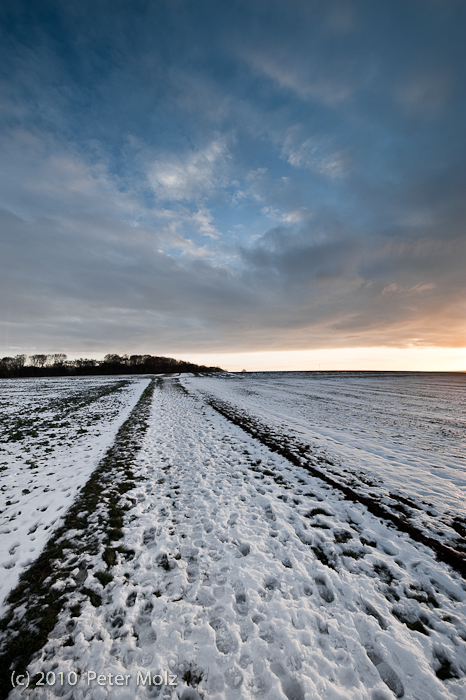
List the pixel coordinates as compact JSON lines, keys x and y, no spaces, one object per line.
{"x":53,"y":434}
{"x":250,"y":578}
{"x":397,"y":437}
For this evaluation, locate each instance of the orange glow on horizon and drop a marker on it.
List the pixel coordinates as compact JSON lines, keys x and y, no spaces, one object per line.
{"x":430,"y":359}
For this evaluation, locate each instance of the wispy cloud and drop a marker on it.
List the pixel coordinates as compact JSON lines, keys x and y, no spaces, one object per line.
{"x":203,"y":220}
{"x":296,"y":216}
{"x":191,"y":176}
{"x":316,"y":154}
{"x":394,"y":288}
{"x":313,"y":84}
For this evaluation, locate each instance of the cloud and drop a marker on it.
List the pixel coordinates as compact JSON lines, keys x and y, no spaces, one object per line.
{"x":296,"y":216}
{"x":394,"y":288}
{"x":283,"y":175}
{"x":315,"y":154}
{"x":203,"y":221}
{"x":192,"y":176}
{"x":330,"y":87}
{"x":86,"y":265}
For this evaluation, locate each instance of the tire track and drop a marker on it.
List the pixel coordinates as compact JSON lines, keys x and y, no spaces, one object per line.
{"x":298,"y":454}
{"x":93,"y":523}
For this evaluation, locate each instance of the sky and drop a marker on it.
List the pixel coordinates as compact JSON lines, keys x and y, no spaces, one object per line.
{"x":279,"y":182}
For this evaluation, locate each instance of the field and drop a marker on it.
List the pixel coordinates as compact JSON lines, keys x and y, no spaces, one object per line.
{"x":271,"y":536}
{"x":52,"y":435}
{"x":398,"y":437}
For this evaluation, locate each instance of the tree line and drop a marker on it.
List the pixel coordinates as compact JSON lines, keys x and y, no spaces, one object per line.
{"x":58,"y":365}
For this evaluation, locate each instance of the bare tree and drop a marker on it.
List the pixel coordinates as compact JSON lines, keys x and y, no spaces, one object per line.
{"x":19,"y":361}
{"x":111,"y":357}
{"x":38,"y":360}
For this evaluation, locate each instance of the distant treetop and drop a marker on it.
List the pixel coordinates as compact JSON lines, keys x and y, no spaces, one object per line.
{"x":57,"y":365}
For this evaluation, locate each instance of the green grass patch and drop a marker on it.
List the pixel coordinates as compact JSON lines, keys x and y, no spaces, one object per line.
{"x":94,"y":597}
{"x":127,"y":486}
{"x":322,"y":556}
{"x":342,"y":536}
{"x":317,"y":511}
{"x":104,"y":577}
{"x":414,"y":625}
{"x":353,"y":553}
{"x":384,"y":573}
{"x":115,"y":534}
{"x":109,"y":556}
{"x":445,"y":670}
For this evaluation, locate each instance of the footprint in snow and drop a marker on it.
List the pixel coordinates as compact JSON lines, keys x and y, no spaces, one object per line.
{"x":370,"y":610}
{"x":190,"y":694}
{"x":233,"y":677}
{"x":144,"y":630}
{"x":205,"y":598}
{"x":307,"y":589}
{"x":386,"y":673}
{"x":271,"y":583}
{"x":192,"y":573}
{"x":224,"y":640}
{"x":131,"y":599}
{"x":116,"y":622}
{"x":244,"y":548}
{"x":267,"y":632}
{"x":241,"y":603}
{"x":216,"y":684}
{"x":220,"y":577}
{"x":297,"y":621}
{"x":246,"y":630}
{"x":291,"y":687}
{"x":324,"y":590}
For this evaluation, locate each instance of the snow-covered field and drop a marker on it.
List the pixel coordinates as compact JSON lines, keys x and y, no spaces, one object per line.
{"x":250,"y":578}
{"x":53,"y":432}
{"x":387,"y":434}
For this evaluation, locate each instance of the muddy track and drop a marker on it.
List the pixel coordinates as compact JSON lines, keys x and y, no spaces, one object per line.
{"x":92,"y":524}
{"x":298,"y":454}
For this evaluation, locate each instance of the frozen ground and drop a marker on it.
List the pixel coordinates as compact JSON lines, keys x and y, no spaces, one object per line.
{"x":52,"y":434}
{"x":249,"y":578}
{"x":387,"y":434}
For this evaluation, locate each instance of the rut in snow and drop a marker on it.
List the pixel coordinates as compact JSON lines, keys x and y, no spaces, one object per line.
{"x":251,"y":578}
{"x":299,"y":455}
{"x":91,"y":525}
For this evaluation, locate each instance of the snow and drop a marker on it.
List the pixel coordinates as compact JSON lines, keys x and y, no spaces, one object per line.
{"x":53,"y":434}
{"x":404,"y":431}
{"x":252,"y":579}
